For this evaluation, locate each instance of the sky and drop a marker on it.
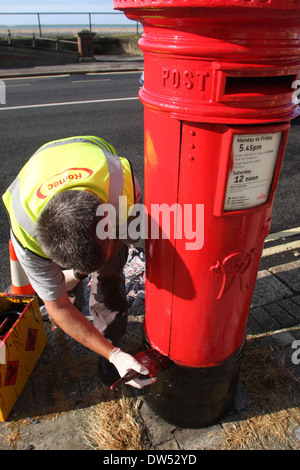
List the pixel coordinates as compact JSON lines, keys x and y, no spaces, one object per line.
{"x":39,"y":6}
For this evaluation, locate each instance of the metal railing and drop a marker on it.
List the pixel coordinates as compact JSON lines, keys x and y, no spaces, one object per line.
{"x":35,"y":39}
{"x":89,"y":16}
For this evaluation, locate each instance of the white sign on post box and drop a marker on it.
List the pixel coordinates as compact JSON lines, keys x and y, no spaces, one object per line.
{"x":250,"y":178}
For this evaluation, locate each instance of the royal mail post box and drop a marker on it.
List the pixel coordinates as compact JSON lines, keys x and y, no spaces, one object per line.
{"x":218,"y":102}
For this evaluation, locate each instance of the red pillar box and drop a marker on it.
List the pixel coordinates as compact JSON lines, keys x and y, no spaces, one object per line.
{"x":218,"y":101}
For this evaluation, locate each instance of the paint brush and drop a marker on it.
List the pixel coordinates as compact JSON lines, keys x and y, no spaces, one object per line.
{"x":152,"y":360}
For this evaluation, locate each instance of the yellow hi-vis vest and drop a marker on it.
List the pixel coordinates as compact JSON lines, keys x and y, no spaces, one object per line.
{"x":81,"y":163}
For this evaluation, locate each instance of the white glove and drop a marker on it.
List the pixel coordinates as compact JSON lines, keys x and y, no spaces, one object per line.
{"x":123,"y":362}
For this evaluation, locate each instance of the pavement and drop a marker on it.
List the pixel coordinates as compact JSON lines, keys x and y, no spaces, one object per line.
{"x":64,"y":405}
{"x":100,"y":64}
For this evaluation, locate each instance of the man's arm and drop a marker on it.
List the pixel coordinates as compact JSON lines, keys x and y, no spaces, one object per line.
{"x":76,"y":325}
{"x":49,"y":282}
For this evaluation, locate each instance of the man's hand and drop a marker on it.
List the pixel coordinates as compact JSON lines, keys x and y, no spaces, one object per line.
{"x":124,"y":362}
{"x":76,"y":325}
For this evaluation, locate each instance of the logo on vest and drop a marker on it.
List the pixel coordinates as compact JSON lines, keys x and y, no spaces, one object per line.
{"x":65,"y":178}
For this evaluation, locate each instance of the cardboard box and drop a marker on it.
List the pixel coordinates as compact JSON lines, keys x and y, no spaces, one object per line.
{"x":20,"y":346}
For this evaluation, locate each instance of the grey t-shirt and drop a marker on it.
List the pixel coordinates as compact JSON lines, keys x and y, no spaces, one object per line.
{"x":45,"y":276}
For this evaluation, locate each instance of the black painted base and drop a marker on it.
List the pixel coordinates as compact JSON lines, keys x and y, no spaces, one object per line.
{"x":195,"y":397}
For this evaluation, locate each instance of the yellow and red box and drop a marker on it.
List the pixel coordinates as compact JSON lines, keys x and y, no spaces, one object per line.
{"x":20,"y":347}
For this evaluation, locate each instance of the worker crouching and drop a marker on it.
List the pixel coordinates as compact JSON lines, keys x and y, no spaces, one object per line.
{"x":53,"y":206}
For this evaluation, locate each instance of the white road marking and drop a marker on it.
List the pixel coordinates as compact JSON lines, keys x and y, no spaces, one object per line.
{"x":92,"y":80}
{"x":36,"y":77}
{"x":67,"y":103}
{"x":116,"y":72}
{"x":18,"y":85}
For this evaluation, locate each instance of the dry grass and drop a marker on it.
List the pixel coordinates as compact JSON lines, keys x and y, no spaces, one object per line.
{"x":274,"y":407}
{"x":13,"y":435}
{"x":114,"y":424}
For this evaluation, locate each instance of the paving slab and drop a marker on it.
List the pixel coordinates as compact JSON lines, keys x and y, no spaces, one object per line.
{"x":269,"y":289}
{"x":289,"y":274}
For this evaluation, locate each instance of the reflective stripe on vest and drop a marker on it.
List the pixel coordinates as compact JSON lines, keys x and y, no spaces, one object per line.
{"x":20,"y":214}
{"x":73,"y":140}
{"x":23,"y":224}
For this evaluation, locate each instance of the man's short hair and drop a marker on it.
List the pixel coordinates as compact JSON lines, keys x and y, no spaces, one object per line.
{"x":66,"y":231}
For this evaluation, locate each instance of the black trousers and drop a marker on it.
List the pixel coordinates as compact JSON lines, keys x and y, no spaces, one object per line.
{"x":108,"y":302}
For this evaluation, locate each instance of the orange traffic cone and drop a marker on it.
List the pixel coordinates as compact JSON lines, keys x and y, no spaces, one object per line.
{"x":19,"y":281}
